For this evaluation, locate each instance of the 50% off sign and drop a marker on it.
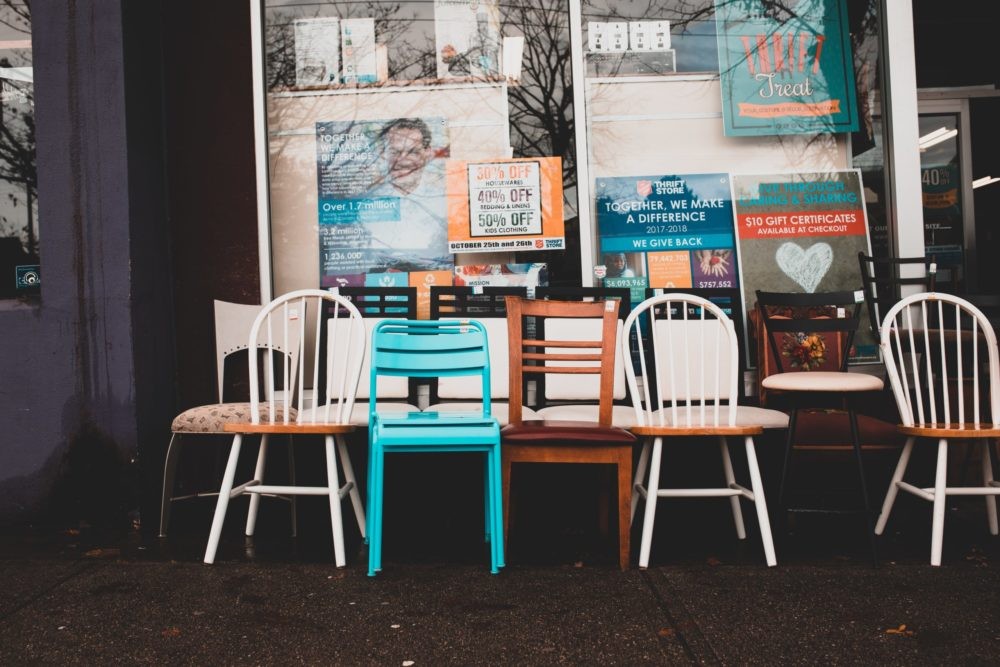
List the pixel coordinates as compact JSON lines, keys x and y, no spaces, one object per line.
{"x":504,"y":199}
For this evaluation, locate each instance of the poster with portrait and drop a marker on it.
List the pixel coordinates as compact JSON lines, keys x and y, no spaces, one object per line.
{"x":382,"y":208}
{"x":785,"y":68}
{"x":504,"y":205}
{"x":802,"y":232}
{"x":672,"y":230}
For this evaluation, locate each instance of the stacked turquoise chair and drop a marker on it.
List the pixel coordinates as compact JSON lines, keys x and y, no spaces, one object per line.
{"x":430,"y":349}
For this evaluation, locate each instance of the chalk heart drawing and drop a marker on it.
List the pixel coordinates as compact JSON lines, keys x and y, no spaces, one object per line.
{"x":805,"y":267}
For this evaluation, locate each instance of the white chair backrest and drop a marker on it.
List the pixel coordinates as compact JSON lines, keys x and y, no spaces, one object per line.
{"x":940,"y":353}
{"x":688,"y":358}
{"x":389,"y":388}
{"x":232,"y":322}
{"x":284,"y":319}
{"x":453,"y":388}
{"x":559,"y":387}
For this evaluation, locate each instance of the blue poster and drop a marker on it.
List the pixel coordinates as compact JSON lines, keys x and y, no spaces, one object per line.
{"x":677,"y":231}
{"x":381,"y":203}
{"x":785,"y":68}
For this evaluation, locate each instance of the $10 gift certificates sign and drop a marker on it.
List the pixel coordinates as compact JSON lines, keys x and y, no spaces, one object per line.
{"x":802,"y":232}
{"x":504,"y":205}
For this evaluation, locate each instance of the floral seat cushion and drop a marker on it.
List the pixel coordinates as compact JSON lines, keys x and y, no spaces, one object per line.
{"x":213,"y":418}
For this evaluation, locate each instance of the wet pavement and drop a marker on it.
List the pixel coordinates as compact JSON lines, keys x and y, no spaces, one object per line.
{"x":79,"y":595}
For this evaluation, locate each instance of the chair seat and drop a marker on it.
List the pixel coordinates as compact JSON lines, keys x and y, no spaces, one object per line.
{"x":498,"y":409}
{"x":819,"y":381}
{"x":622,"y":416}
{"x":746,"y":415}
{"x":213,"y":418}
{"x":956,"y":431}
{"x":557,"y":432}
{"x":435,"y":429}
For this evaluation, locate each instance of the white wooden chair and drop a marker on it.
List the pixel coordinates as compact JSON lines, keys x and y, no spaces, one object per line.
{"x":232,"y":325}
{"x":940,"y":352}
{"x":341,"y":334}
{"x":690,"y":389}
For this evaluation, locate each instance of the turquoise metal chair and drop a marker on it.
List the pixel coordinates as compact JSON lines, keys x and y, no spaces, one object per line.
{"x":431,"y":349}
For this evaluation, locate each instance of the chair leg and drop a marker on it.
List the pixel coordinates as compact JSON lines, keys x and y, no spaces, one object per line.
{"x":785,"y":468}
{"x":757,"y":486}
{"x":333,"y":486}
{"x":169,"y":471}
{"x":223,"y":500}
{"x":487,"y":507}
{"x":897,"y":477}
{"x":624,"y":506}
{"x":991,"y":501}
{"x":354,"y":493}
{"x":293,"y":501}
{"x":856,"y":442}
{"x":497,"y":539}
{"x":652,"y":488}
{"x":376,"y":464}
{"x":940,"y":501}
{"x":640,"y":473}
{"x":258,"y":476}
{"x":734,"y":501}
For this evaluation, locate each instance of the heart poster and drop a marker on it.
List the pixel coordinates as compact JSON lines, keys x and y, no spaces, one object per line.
{"x":802,"y":232}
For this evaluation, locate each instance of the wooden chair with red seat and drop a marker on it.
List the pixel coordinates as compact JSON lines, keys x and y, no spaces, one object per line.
{"x":560,"y":441}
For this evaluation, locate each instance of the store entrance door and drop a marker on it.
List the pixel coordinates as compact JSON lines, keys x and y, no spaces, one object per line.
{"x":946,"y":183}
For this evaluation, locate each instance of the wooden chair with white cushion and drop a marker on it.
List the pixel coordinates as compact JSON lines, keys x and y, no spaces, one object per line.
{"x":812,"y":327}
{"x":688,"y":356}
{"x":940,"y":352}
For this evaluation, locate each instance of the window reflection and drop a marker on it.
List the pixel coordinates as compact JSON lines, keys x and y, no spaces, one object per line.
{"x":19,"y":270}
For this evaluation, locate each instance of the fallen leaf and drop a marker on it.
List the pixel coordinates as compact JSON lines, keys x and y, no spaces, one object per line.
{"x":901,"y":630}
{"x":394,"y":626}
{"x":407,"y":663}
{"x":102,"y":553}
{"x":172,"y":631}
{"x":666,"y":632}
{"x":72,"y":531}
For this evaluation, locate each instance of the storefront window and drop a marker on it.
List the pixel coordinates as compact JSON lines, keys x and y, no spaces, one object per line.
{"x":377,"y":111}
{"x":729,"y":144}
{"x":20,"y":275}
{"x":702,"y":114}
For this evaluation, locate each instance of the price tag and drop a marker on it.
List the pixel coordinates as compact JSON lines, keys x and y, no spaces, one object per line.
{"x":859,"y":296}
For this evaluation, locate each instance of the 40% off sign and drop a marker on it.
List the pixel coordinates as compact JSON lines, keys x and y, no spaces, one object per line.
{"x":505,"y":199}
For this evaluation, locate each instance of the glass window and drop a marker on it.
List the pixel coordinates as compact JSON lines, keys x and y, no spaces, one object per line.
{"x":375,"y":110}
{"x":19,"y":266}
{"x":700,"y":112}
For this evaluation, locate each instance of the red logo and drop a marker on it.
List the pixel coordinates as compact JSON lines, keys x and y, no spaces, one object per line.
{"x":539,"y":243}
{"x":644,"y":188}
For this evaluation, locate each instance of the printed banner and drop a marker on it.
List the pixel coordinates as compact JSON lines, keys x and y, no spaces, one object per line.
{"x":802,"y":233}
{"x":381,"y":198}
{"x":785,"y":69}
{"x":502,"y":275}
{"x":501,"y":205}
{"x":677,"y":231}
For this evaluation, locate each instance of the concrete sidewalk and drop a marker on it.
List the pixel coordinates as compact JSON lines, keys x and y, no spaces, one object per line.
{"x":74,"y":598}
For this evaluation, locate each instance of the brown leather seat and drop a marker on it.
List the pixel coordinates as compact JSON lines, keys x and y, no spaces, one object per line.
{"x":554,"y":432}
